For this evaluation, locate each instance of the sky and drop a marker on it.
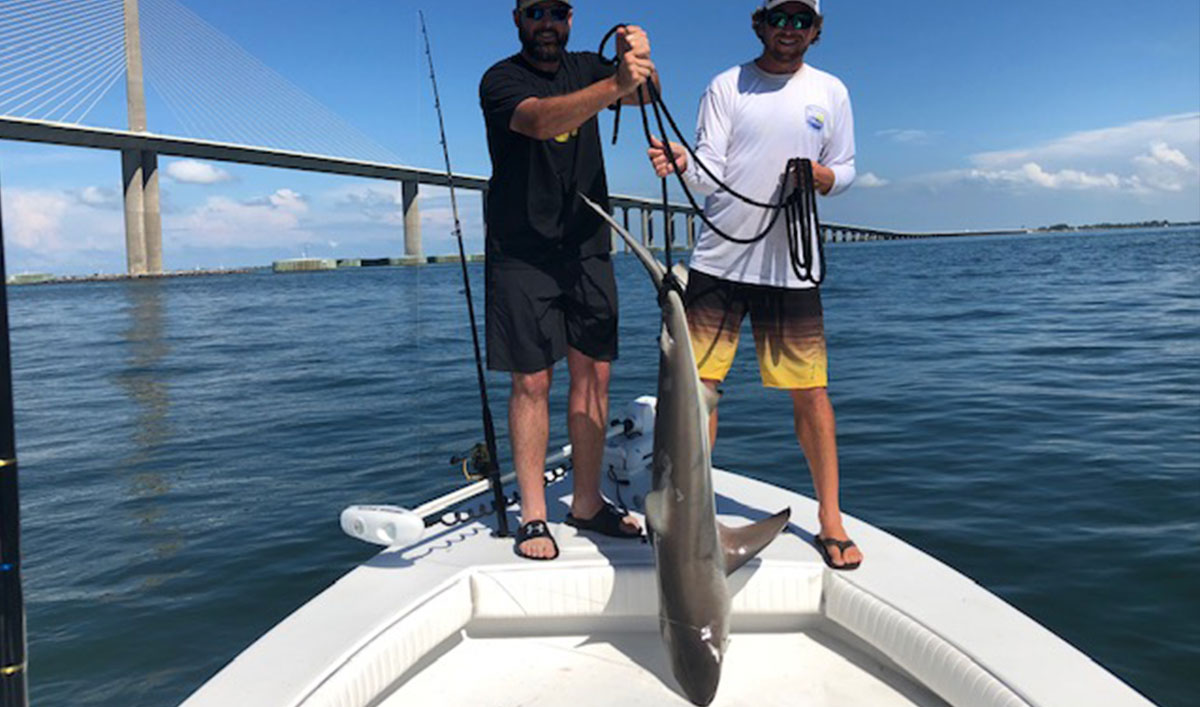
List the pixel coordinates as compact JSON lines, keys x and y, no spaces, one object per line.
{"x":968,"y":116}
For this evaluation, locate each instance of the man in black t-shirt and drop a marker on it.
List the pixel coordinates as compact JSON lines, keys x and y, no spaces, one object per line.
{"x":550,"y":287}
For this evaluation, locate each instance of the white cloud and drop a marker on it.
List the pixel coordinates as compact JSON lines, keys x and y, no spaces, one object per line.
{"x":288,"y":200}
{"x":195,"y":172}
{"x":1164,"y":154}
{"x":283,"y":199}
{"x":870,"y":181}
{"x":223,"y":222}
{"x":1138,"y":158}
{"x":1106,"y":148}
{"x":99,"y":197}
{"x":908,"y":136}
{"x":377,"y":204}
{"x":1164,"y":168}
{"x":35,"y":218}
{"x":1033,"y":174}
{"x":51,"y":225}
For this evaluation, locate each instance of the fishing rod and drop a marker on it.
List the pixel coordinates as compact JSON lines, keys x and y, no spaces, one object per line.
{"x":13,"y":681}
{"x":798,"y":205}
{"x":487,"y":463}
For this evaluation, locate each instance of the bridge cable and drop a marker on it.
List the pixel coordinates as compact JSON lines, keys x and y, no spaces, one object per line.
{"x":66,"y":9}
{"x":252,"y":99}
{"x":52,"y":48}
{"x":27,"y":43}
{"x":82,"y":51}
{"x":99,"y":66}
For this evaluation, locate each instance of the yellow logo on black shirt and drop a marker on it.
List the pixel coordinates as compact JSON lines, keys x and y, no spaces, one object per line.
{"x":566,"y":136}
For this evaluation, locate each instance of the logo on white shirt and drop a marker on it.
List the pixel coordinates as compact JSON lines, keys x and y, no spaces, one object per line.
{"x":815,"y":115}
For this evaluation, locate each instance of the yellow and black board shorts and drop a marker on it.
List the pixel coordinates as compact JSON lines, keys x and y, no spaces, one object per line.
{"x":788,"y":326}
{"x":536,"y":311}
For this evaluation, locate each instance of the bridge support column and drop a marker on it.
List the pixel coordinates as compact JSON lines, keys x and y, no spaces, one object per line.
{"x":691,"y":230}
{"x":625,"y":223}
{"x":614,"y":239}
{"x":647,"y":232}
{"x":412,"y":218}
{"x":143,"y":215}
{"x":152,"y":213}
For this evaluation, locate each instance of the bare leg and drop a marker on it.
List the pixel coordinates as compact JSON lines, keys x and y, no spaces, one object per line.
{"x":816,"y":430}
{"x":587,"y":419}
{"x":529,"y":431}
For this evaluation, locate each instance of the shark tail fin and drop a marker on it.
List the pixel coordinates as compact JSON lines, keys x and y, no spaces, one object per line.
{"x":742,"y":544}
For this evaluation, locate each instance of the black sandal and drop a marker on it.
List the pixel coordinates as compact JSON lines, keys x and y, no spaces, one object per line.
{"x":529,"y":531}
{"x":843,"y":545}
{"x":607,"y":521}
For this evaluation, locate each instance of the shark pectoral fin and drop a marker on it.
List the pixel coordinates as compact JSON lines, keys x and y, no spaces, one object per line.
{"x":680,"y":271}
{"x":656,"y":511}
{"x":742,"y":544}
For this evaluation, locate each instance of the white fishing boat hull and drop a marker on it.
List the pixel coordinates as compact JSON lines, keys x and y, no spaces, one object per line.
{"x":459,"y":619}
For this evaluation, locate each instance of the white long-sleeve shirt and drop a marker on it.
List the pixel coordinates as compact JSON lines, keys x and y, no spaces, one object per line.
{"x":751,"y":123}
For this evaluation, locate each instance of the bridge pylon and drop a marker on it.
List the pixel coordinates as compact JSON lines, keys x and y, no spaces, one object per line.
{"x":139,"y":168}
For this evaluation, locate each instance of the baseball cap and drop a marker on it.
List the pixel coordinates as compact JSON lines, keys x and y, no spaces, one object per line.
{"x":772,"y":4}
{"x":522,"y":4}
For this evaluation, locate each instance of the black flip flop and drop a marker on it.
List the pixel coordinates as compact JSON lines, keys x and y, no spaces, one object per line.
{"x":843,"y":545}
{"x":529,"y":531}
{"x":607,"y":521}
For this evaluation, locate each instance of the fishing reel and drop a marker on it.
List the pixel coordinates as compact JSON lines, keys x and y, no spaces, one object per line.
{"x":475,"y":462}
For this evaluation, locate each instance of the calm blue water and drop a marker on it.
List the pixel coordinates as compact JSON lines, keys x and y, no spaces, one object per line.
{"x":1026,"y":409}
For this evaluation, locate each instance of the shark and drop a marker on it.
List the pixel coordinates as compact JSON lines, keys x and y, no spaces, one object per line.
{"x":693,"y":552}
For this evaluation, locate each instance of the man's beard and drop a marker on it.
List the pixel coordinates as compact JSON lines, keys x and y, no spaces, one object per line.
{"x":785,"y":55}
{"x":544,"y":50}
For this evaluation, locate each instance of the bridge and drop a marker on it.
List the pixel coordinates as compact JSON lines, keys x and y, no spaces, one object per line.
{"x":62,"y":56}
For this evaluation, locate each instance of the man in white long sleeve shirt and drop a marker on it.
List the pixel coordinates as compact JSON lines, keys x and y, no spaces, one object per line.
{"x":753,"y":119}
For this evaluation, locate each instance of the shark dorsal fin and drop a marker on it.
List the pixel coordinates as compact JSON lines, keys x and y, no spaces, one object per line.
{"x":742,"y":544}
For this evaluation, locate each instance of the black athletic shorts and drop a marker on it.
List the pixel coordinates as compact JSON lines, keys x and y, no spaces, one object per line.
{"x":534,"y":312}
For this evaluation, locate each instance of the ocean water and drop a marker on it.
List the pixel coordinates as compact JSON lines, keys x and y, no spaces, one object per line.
{"x":1026,"y":409}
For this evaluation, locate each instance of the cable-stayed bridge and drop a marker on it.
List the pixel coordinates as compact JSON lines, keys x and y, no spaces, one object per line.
{"x":59,"y":59}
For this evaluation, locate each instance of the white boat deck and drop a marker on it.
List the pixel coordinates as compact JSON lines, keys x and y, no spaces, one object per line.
{"x":460,"y":619}
{"x":631,"y":668}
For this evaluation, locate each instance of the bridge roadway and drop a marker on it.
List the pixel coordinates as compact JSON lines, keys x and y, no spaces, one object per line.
{"x":410,"y":178}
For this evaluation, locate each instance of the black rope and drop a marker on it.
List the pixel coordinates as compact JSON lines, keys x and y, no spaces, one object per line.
{"x":798,"y":201}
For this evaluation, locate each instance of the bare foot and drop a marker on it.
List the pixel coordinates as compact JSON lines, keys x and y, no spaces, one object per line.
{"x":535,"y":542}
{"x":586,"y":511}
{"x":840,"y":555}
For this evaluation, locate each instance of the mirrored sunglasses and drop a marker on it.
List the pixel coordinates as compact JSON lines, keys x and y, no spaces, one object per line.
{"x":780,"y":19}
{"x":557,"y":14}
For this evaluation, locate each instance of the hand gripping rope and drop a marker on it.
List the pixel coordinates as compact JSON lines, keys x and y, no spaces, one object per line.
{"x":798,"y":205}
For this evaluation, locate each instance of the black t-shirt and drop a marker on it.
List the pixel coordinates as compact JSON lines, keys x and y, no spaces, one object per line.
{"x":534,"y":213}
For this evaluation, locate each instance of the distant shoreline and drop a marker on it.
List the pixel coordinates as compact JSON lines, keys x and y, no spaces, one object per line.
{"x":1061,"y":227}
{"x":49,"y":279}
